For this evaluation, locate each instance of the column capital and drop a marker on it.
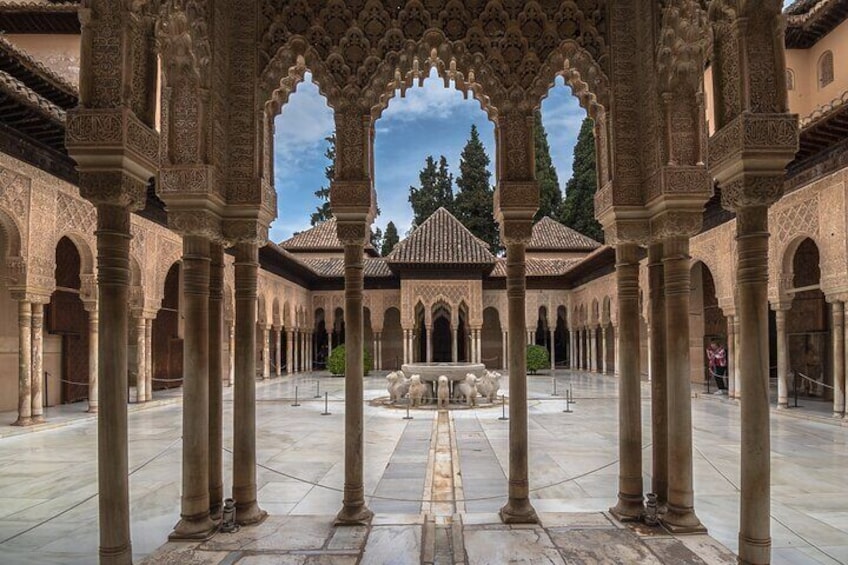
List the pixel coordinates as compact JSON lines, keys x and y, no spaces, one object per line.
{"x":671,"y":223}
{"x":636,"y":231}
{"x":353,"y":231}
{"x":516,"y":231}
{"x":245,"y":230}
{"x":199,"y":222}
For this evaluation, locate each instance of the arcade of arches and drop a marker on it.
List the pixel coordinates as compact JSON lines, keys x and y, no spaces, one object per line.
{"x":104,"y":299}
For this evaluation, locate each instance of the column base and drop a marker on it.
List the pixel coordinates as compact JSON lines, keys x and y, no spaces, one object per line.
{"x":754,"y":551}
{"x":782,"y":405}
{"x":23,"y":422}
{"x":629,"y":508}
{"x":92,"y":410}
{"x":354,"y":515}
{"x":116,"y":555}
{"x":518,"y":511}
{"x":37,"y":420}
{"x":250,"y":514}
{"x":193,"y":529}
{"x":216,"y":510}
{"x":838,"y":415}
{"x":682,"y":521}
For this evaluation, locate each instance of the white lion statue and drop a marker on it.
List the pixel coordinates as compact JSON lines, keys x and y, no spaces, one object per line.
{"x":488,"y":385}
{"x":417,"y":390}
{"x":467,"y":389}
{"x":398,"y":385}
{"x":443,"y":392}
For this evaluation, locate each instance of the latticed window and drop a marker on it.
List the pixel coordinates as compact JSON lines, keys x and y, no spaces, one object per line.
{"x":790,"y":79}
{"x":825,"y":69}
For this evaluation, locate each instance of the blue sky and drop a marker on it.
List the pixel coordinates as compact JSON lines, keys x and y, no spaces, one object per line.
{"x":430,"y":119}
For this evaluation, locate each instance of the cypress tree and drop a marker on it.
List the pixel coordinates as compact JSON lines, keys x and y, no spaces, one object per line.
{"x":474,"y":200}
{"x":578,"y":209}
{"x":323,"y":212}
{"x":435,"y":191}
{"x":550,"y":196}
{"x":390,"y":239}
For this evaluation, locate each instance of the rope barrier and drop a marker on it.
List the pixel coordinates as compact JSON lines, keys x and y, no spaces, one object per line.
{"x":167,"y":380}
{"x":814,"y":381}
{"x":66,"y":381}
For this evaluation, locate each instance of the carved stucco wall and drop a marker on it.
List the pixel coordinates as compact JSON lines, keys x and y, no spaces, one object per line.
{"x":593,"y":303}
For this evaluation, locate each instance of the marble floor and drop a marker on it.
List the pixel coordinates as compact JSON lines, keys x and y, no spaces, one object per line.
{"x":48,"y":493}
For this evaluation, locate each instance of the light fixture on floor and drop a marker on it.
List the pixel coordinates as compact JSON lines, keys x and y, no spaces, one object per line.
{"x":228,"y":519}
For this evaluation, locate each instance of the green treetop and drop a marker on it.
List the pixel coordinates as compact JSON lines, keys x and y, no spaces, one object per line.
{"x":474,"y":200}
{"x":436,"y":190}
{"x":323,"y":211}
{"x":578,"y":209}
{"x":390,"y":239}
{"x":550,"y":196}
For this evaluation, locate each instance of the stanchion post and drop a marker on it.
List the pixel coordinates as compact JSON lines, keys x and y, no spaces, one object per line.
{"x":503,"y":409}
{"x":296,"y":403}
{"x":568,"y":401}
{"x":553,"y":387}
{"x":795,"y":380}
{"x":317,"y":389}
{"x":407,"y":417}
{"x":326,"y":411}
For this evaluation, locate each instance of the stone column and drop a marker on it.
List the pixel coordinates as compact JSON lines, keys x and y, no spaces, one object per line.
{"x":782,"y":347}
{"x":141,"y":358}
{"x":629,"y":506}
{"x":737,"y":380}
{"x":289,"y":351}
{"x":616,"y":351}
{"x":37,"y":362}
{"x":659,"y":403}
{"x":455,"y":344}
{"x":24,"y":363}
{"x":216,"y":376}
{"x":354,"y":510}
{"x":553,"y":352}
{"x":731,"y":356}
{"x":195,"y":522}
{"x":518,"y":508}
{"x":232,"y":353}
{"x":296,"y":351}
{"x":278,"y":353}
{"x":838,"y":309}
{"x":680,"y":517}
{"x":311,"y":357}
{"x":430,"y":344}
{"x":593,"y":344}
{"x":266,"y":353}
{"x":148,"y":338}
{"x":244,"y":392}
{"x":92,"y":359}
{"x":604,"y":356}
{"x":572,"y":349}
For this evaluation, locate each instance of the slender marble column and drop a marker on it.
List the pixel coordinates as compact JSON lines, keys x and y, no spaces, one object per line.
{"x":232,"y":353}
{"x":311,"y":355}
{"x":731,"y":357}
{"x":244,"y":392}
{"x":629,"y":505}
{"x":141,"y":359}
{"x":782,"y":347}
{"x":680,"y":517}
{"x":504,"y":346}
{"x":266,"y":353}
{"x":380,"y":350}
{"x":429,"y":344}
{"x":278,"y":352}
{"x":354,"y":510}
{"x":148,"y":338}
{"x":113,"y":284}
{"x":553,"y":352}
{"x":479,"y":345}
{"x":92,"y":360}
{"x":290,"y":351}
{"x":37,"y":363}
{"x":518,"y":509}
{"x":752,"y":287}
{"x":296,"y":351}
{"x":659,"y":395}
{"x":24,"y":363}
{"x":838,"y":310}
{"x":195,"y":522}
{"x":454,"y":344}
{"x":604,"y":356}
{"x":572,"y":350}
{"x":737,"y":366}
{"x":216,"y":384}
{"x":616,"y":350}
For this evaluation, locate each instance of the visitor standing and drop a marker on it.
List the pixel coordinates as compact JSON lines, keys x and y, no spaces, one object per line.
{"x":717,"y":356}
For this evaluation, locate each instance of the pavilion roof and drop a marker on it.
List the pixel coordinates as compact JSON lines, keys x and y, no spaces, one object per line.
{"x":550,"y":235}
{"x":322,"y":237}
{"x":441,"y":240}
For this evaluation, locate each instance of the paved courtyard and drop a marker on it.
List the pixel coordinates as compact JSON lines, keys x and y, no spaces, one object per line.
{"x":435,"y":483}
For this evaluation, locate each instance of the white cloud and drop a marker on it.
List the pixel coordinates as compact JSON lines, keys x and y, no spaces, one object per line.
{"x":431,"y":100}
{"x":302,"y":126}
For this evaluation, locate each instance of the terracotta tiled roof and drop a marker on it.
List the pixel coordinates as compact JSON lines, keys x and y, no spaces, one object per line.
{"x":40,"y":78}
{"x":322,"y":237}
{"x":441,"y":239}
{"x":548,"y":234}
{"x":538,"y":267}
{"x":375,"y":267}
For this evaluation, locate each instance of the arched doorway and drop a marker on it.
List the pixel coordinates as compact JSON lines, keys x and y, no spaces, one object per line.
{"x":66,"y":317}
{"x":392,"y":340}
{"x":706,"y":322}
{"x":493,"y":355}
{"x":562,"y":351}
{"x":165,"y":339}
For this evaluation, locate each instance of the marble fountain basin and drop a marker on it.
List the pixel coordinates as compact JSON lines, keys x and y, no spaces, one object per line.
{"x":430,"y":372}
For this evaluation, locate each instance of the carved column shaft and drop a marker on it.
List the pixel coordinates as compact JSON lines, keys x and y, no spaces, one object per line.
{"x":232,"y":353}
{"x":195,"y":522}
{"x":24,"y":363}
{"x":429,"y":344}
{"x":659,"y":395}
{"x":680,"y":516}
{"x":37,"y":362}
{"x":278,"y":353}
{"x":244,"y":391}
{"x":141,"y":359}
{"x":454,"y":344}
{"x":553,"y":352}
{"x":838,"y":310}
{"x":93,"y":338}
{"x":782,"y":347}
{"x":731,"y":356}
{"x":629,"y":506}
{"x":266,"y":352}
{"x":290,"y":352}
{"x":148,"y":338}
{"x":216,"y":379}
